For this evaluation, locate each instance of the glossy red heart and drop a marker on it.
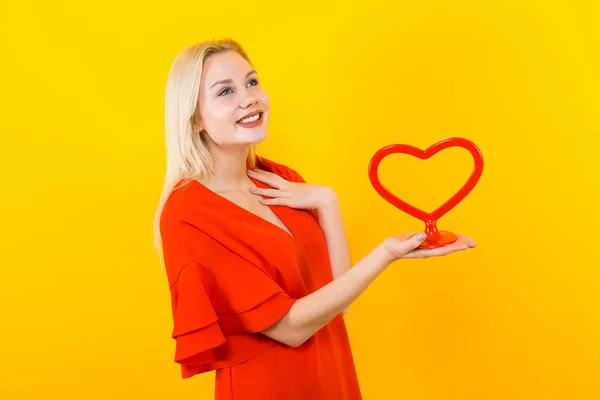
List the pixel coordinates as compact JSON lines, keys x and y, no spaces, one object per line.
{"x":435,"y":238}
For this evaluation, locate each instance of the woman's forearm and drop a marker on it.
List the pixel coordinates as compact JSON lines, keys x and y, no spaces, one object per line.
{"x":312,"y":312}
{"x":330,"y":219}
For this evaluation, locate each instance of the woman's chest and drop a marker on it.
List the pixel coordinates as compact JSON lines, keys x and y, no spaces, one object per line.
{"x":252,"y":205}
{"x":296,"y":258}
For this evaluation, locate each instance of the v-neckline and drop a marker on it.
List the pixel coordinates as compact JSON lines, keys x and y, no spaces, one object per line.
{"x":258,"y":183}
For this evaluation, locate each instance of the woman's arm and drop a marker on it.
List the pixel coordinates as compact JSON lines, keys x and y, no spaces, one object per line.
{"x":312,"y":312}
{"x":330,"y":219}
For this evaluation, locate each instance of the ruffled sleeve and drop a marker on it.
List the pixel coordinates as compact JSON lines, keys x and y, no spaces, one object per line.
{"x":215,"y":315}
{"x":196,"y":325}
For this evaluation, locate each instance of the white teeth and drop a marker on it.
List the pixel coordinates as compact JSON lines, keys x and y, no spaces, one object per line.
{"x":250,"y":119}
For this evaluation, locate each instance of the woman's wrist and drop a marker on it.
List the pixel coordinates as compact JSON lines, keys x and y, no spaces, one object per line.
{"x":384,"y":254}
{"x":328,"y":200}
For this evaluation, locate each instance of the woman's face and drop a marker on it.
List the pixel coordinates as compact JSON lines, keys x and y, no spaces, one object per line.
{"x":233,"y":107}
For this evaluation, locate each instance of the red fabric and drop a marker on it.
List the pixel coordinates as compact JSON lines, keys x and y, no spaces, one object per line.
{"x":231,"y":275}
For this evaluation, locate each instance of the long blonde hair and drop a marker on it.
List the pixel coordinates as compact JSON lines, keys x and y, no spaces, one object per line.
{"x":187,"y":155}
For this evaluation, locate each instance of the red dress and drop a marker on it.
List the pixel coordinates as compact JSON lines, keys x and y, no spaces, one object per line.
{"x":232,"y":274}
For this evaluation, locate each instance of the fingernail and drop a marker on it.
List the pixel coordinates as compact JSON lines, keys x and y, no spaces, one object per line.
{"x":421,"y":236}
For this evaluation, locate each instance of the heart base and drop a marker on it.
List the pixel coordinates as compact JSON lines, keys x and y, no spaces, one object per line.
{"x":443,"y":239}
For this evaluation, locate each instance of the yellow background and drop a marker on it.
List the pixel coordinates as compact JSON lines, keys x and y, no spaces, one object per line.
{"x":85,"y":309}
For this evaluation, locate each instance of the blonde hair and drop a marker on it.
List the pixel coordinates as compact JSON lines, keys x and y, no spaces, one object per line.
{"x":187,"y":155}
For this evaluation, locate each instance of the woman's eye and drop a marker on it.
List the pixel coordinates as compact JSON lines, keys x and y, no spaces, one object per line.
{"x":252,"y":82}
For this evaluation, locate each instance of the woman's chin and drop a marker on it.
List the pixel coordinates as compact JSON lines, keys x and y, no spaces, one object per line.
{"x":259,"y":139}
{"x":250,"y":136}
{"x":256,"y":137}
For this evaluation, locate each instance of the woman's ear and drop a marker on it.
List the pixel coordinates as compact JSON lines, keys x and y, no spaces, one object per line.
{"x":197,"y":126}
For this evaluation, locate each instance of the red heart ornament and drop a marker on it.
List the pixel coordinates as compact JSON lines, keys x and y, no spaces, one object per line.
{"x":435,"y":238}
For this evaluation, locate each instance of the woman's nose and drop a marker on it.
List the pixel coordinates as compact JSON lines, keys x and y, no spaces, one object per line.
{"x":248,"y":100}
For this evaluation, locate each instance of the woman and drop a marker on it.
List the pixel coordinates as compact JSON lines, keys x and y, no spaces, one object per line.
{"x":257,"y":259}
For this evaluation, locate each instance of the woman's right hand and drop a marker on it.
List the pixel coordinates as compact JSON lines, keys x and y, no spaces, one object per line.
{"x":405,"y":245}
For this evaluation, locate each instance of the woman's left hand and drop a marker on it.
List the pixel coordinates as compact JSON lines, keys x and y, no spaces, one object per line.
{"x":308,"y":196}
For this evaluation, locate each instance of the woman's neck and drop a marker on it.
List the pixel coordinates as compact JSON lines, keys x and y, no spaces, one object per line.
{"x":230,"y":171}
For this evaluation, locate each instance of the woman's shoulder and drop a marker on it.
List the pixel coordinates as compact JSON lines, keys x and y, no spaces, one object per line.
{"x":178,"y":200}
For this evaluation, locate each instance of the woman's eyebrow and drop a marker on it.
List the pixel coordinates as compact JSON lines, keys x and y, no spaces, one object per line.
{"x":231,"y":81}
